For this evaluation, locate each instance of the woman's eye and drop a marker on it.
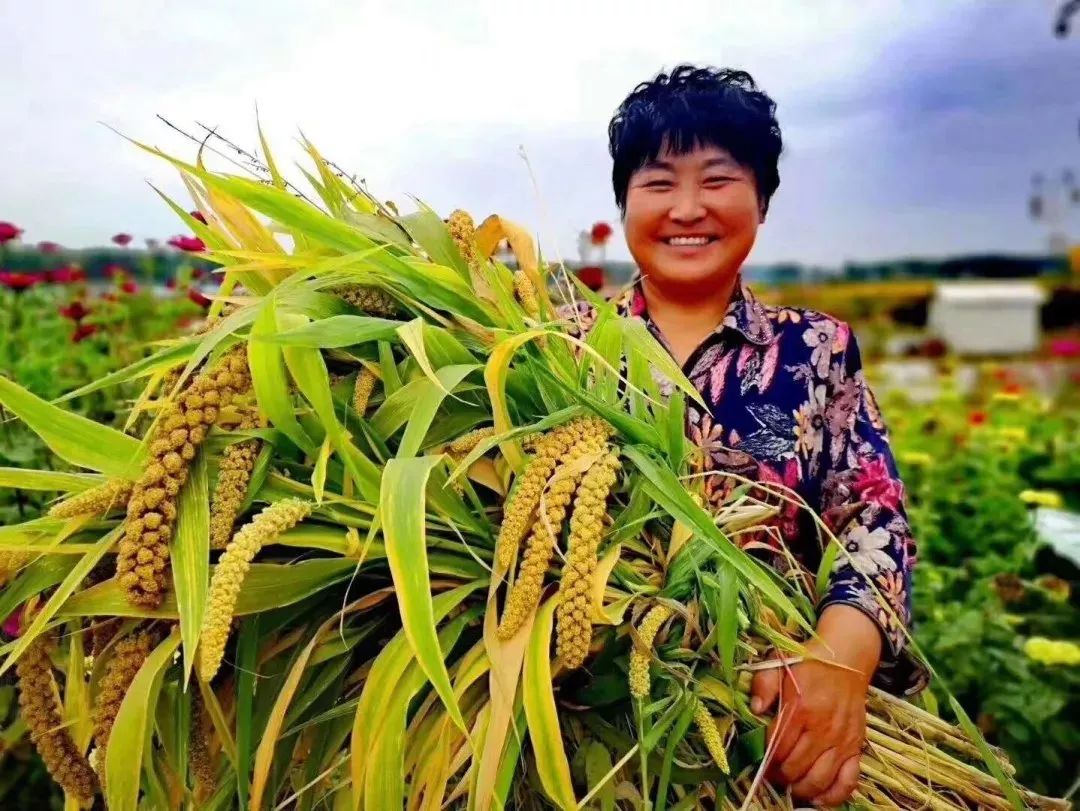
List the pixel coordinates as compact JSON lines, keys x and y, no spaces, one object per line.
{"x":658,"y":184}
{"x":716,"y":181}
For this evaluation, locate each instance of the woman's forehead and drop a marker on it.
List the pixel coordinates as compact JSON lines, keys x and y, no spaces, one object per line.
{"x":698,"y":156}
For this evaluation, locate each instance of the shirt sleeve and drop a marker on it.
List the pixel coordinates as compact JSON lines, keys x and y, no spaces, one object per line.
{"x":862,"y":502}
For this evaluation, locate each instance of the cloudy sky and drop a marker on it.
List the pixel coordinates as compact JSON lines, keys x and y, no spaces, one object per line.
{"x":911,"y":128}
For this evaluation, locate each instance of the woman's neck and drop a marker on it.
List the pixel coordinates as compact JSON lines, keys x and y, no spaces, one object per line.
{"x":686,"y":317}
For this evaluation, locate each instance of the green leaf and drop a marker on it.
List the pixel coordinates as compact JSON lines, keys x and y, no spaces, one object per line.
{"x":145,"y":367}
{"x":267,"y":586}
{"x":57,"y":599}
{"x":291,"y":212}
{"x":380,"y":684}
{"x":191,"y":558}
{"x":268,"y":379}
{"x":247,"y":652}
{"x":597,"y":766}
{"x":429,"y":232}
{"x":130,"y":739}
{"x":337,"y":331}
{"x":75,"y":439}
{"x":401,"y":504}
{"x":385,"y":777}
{"x":48,"y":480}
{"x":639,"y":342}
{"x":40,"y":575}
{"x":426,"y":403}
{"x":542,"y":715}
{"x":673,"y":497}
{"x":318,"y":473}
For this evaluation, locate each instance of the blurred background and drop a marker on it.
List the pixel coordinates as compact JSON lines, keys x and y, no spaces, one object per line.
{"x":930,"y":194}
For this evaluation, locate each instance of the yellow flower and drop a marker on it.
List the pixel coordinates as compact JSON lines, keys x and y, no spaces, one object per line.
{"x":1013,"y":434}
{"x":1052,"y":652}
{"x":518,"y":510}
{"x":111,"y":495}
{"x":151,"y":514}
{"x":641,"y":655}
{"x":368,"y":300}
{"x":365,"y":385}
{"x":234,"y":474}
{"x":526,"y":293}
{"x":540,"y":547}
{"x":916,"y":458}
{"x":1042,"y":498}
{"x":127,"y":657}
{"x":711,"y":734}
{"x":40,"y":709}
{"x":230,"y":572}
{"x":586,"y":528}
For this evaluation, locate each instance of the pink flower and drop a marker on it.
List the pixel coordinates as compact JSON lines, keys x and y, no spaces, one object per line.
{"x":1065,"y":348}
{"x":76,"y":311}
{"x":20,"y":281}
{"x":48,"y":247}
{"x":190,"y":244}
{"x":874,"y":483}
{"x":115,"y":272}
{"x":67,"y":275}
{"x":123,"y":240}
{"x":196,"y":296}
{"x":8,"y":232}
{"x":83,"y":331}
{"x":12,"y":625}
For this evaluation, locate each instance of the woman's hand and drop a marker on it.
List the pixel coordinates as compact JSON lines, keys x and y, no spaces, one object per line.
{"x":818,"y":734}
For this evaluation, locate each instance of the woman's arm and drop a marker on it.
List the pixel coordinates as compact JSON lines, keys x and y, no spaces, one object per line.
{"x":818,"y":732}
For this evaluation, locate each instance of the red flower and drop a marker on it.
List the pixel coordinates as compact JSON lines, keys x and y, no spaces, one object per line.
{"x":76,"y":311}
{"x":123,"y":240}
{"x":198,"y":215}
{"x":977,"y":418}
{"x":67,"y":275}
{"x":196,"y":295}
{"x":592,"y":277}
{"x":601,"y":233}
{"x":1013,"y":388}
{"x":115,"y":272}
{"x":170,"y":284}
{"x":20,"y":281}
{"x":109,"y":297}
{"x":873,"y":482}
{"x":8,"y":232}
{"x":197,"y":273}
{"x":191,"y":244}
{"x":129,"y":287}
{"x":48,"y":247}
{"x":82,"y":331}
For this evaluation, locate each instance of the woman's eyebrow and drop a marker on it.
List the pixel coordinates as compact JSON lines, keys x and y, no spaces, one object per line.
{"x":721,"y":163}
{"x":658,"y":164}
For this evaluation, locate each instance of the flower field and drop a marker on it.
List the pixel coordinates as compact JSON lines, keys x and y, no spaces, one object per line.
{"x":266,"y":558}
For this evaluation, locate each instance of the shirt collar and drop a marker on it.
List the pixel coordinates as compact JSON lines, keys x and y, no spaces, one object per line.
{"x":745,"y":314}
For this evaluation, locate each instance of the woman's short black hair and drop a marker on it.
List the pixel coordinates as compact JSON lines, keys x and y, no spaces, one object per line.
{"x":693,"y":107}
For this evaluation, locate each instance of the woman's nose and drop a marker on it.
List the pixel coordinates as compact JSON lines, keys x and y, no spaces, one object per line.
{"x":687,"y":206}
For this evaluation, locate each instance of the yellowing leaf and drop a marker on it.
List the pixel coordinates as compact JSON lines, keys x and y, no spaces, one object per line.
{"x":542,"y":716}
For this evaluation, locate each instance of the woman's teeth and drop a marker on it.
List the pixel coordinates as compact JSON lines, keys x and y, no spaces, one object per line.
{"x":687,"y":241}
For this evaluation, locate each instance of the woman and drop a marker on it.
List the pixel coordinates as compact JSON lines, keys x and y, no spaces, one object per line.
{"x":695,"y":164}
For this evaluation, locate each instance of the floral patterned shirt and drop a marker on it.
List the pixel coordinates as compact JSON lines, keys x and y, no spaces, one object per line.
{"x":788,"y":406}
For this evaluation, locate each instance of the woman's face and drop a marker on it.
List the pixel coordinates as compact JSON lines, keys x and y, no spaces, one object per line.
{"x":691,"y":219}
